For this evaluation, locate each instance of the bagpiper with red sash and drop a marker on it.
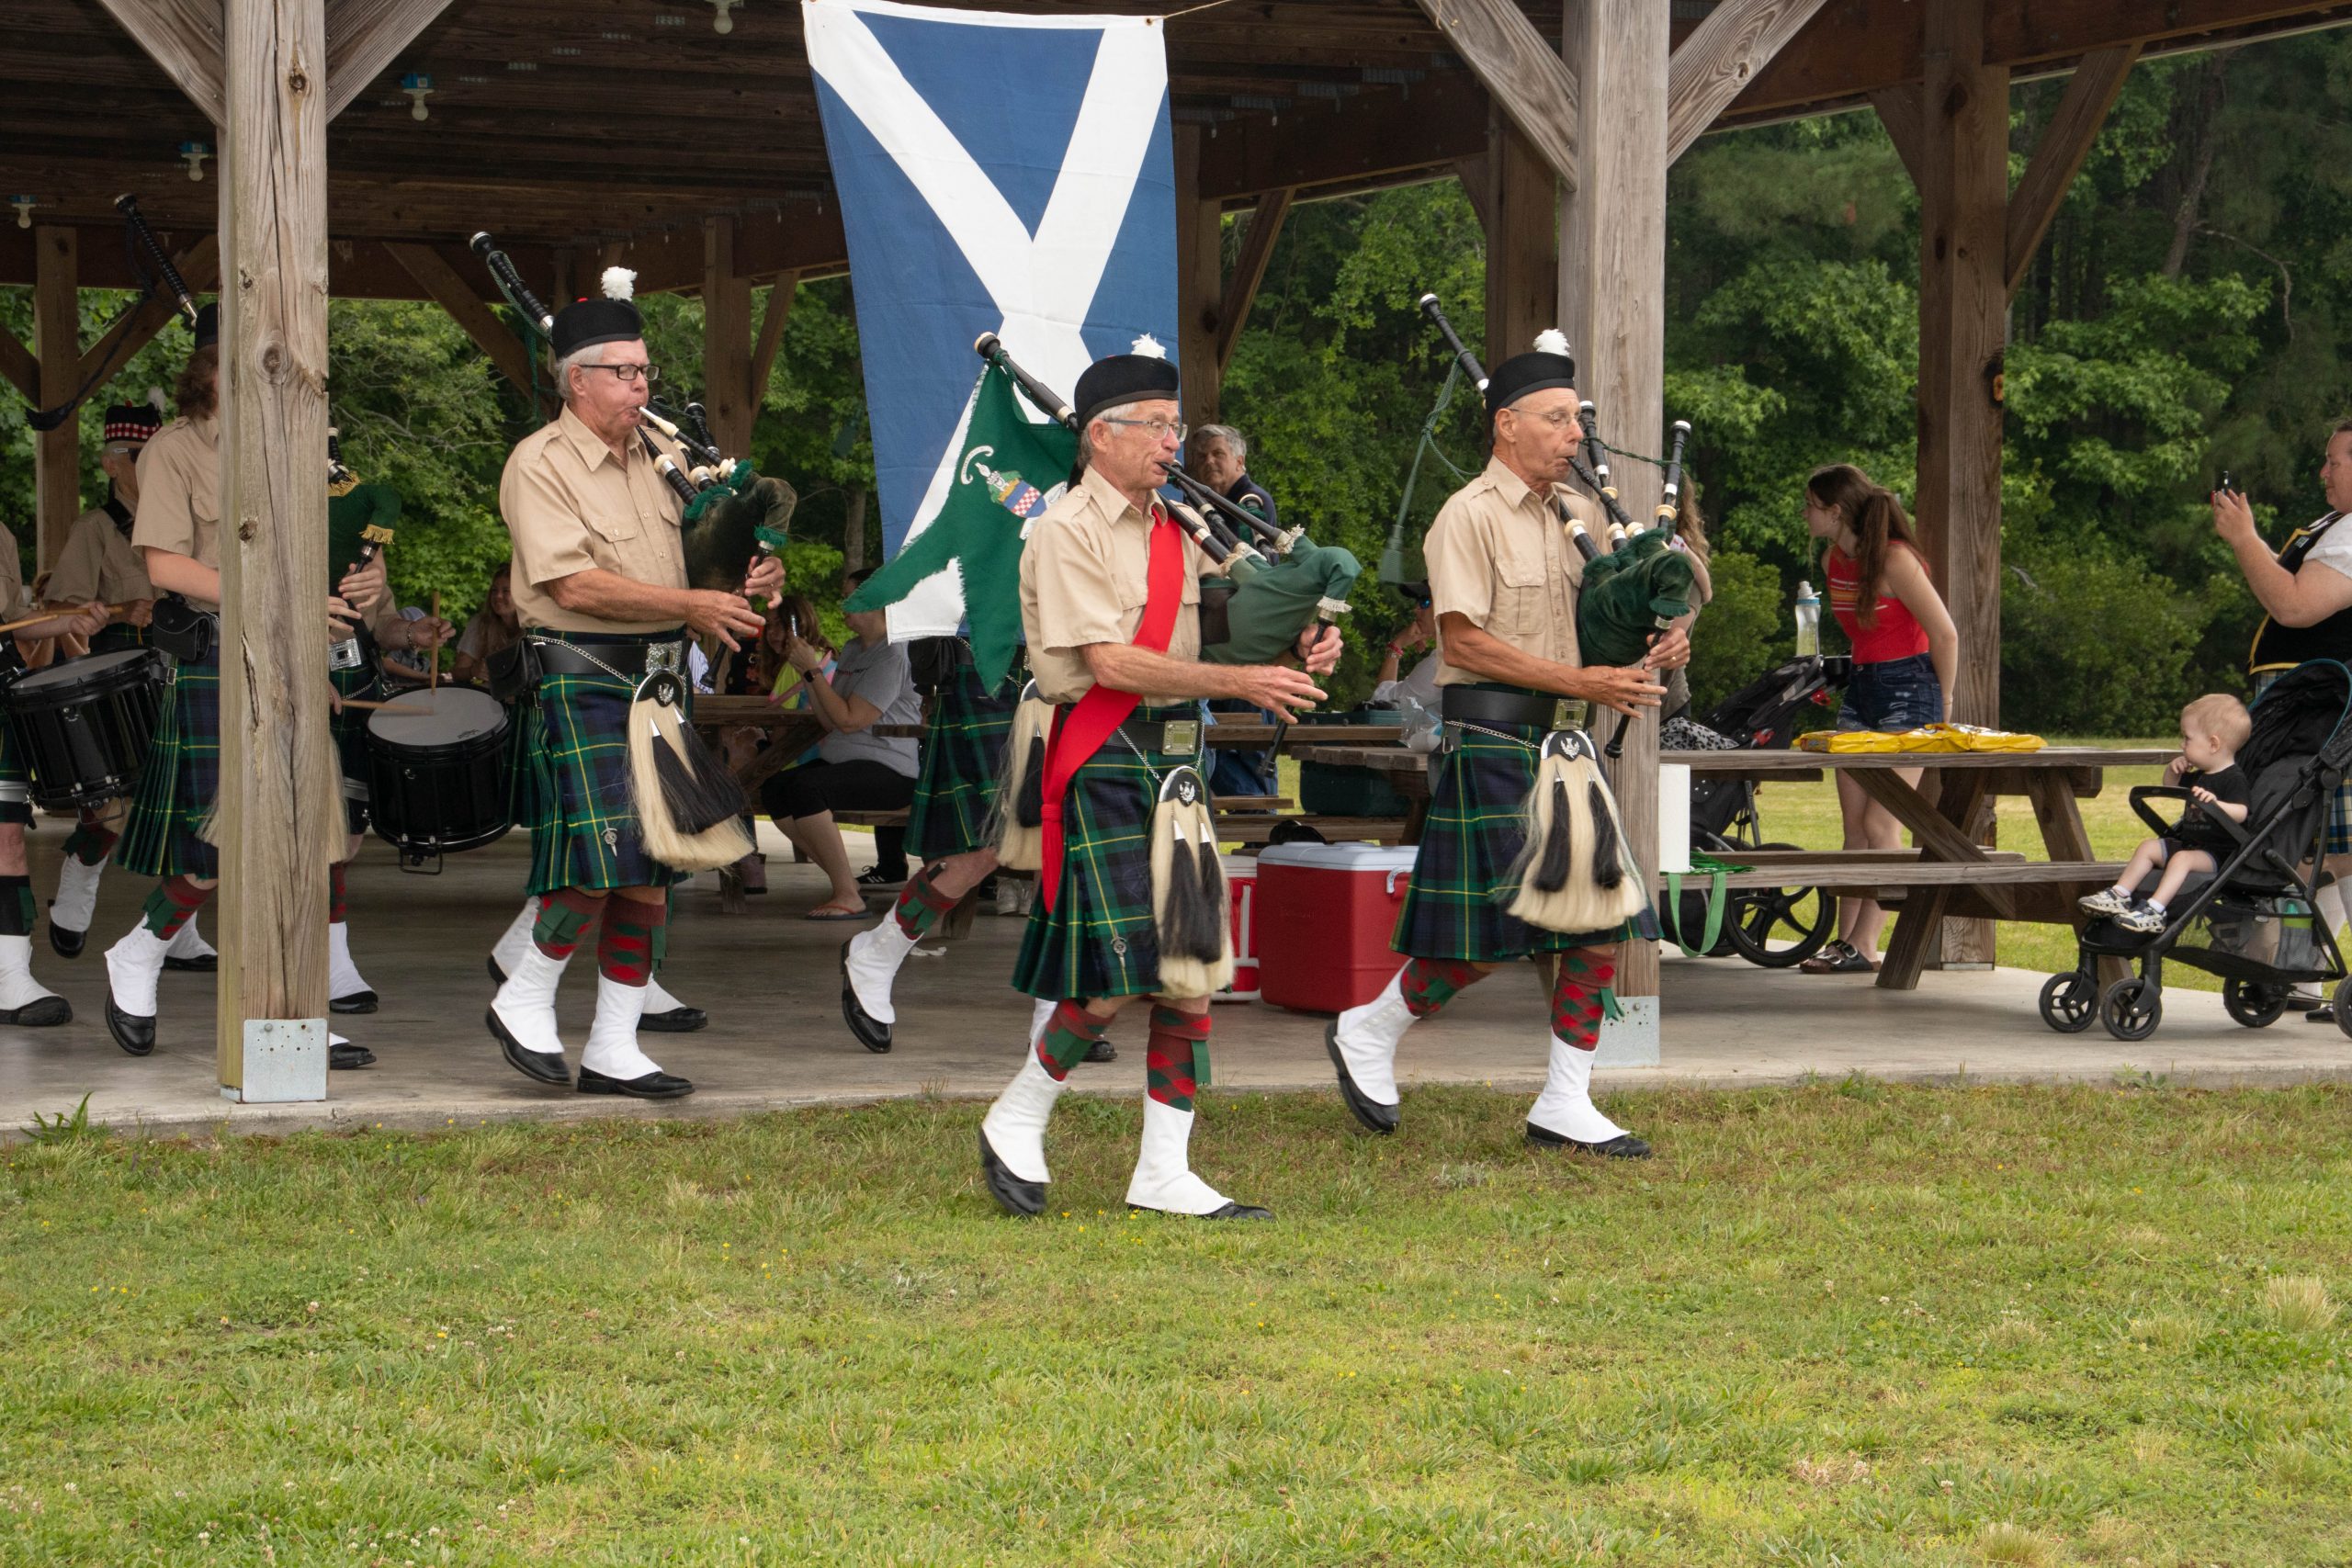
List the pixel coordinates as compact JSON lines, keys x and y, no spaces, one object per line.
{"x":1128,"y":896}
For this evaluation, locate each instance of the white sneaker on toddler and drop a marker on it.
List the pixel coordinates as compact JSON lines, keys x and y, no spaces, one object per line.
{"x":2106,"y":901}
{"x":2146,"y":919}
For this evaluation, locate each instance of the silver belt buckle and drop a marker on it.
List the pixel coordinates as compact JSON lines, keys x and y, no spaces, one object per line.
{"x":1180,"y":735}
{"x":1571,"y":713}
{"x":661,"y":656}
{"x":344,"y":655}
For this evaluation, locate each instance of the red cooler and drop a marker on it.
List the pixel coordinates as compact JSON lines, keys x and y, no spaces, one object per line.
{"x":1324,"y":915}
{"x":1241,"y":886}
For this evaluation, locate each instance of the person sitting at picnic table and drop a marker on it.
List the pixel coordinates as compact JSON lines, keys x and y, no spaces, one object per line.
{"x":493,"y":629}
{"x":2305,"y":591}
{"x":1907,"y":652}
{"x":1391,"y":689}
{"x":856,"y":769}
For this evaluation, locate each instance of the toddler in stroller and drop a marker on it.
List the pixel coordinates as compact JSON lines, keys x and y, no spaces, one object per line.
{"x":2212,"y":729}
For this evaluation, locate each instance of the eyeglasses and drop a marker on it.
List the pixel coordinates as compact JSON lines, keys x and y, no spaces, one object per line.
{"x":627,"y":375}
{"x":1558,"y":419}
{"x":1158,"y":429}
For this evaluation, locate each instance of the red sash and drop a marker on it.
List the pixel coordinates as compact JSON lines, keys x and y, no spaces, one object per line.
{"x":1080,"y":730}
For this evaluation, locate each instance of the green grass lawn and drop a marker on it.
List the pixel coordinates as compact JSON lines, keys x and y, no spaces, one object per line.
{"x":1844,"y":1324}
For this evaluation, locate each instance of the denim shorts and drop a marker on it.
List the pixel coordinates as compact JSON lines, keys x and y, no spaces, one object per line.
{"x":1892,"y":697}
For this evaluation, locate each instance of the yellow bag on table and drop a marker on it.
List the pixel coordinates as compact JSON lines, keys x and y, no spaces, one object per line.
{"x":1927,"y":738}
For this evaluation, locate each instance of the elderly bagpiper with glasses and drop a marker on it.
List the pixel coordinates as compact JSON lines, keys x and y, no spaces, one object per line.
{"x":599,"y":586}
{"x":1110,"y":605}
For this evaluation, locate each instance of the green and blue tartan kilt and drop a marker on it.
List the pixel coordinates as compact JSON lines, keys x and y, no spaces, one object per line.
{"x":522,"y":794}
{"x":963,"y":750}
{"x":1456,"y":905}
{"x":1099,"y":939}
{"x":114,"y":637}
{"x":2339,"y":810}
{"x":584,"y":822}
{"x":180,"y":781}
{"x":350,"y":727}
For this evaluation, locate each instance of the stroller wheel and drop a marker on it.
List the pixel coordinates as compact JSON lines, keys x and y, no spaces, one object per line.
{"x":2253,"y":1003}
{"x":1778,"y":928}
{"x":2069,"y":1002}
{"x":2344,"y":1004}
{"x":2132,"y":1008}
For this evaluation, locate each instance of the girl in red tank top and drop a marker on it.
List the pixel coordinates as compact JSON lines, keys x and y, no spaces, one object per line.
{"x":1906,"y":654}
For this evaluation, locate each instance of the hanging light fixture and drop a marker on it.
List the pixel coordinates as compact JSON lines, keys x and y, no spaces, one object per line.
{"x":194,"y":153}
{"x":24,"y":205}
{"x":418,"y":86}
{"x":723,"y":23}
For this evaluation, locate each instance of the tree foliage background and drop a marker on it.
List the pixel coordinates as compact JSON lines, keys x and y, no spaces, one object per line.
{"x":2189,"y":311}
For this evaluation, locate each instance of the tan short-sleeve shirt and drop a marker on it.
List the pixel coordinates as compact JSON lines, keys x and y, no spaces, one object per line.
{"x":571,"y":506}
{"x":98,"y":563}
{"x":179,"y":492}
{"x":1085,"y":577}
{"x":14,"y":602}
{"x":1501,"y":557}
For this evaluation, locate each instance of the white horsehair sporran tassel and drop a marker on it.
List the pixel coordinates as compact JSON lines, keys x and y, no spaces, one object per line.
{"x":1576,"y":871}
{"x":1018,"y":827}
{"x":688,"y":805}
{"x":1188,"y":907}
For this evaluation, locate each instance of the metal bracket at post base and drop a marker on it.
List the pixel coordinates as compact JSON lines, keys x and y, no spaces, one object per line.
{"x":1630,"y":1040}
{"x":284,"y":1062}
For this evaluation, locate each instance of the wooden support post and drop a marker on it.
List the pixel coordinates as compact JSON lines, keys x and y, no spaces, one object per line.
{"x":57,"y":343}
{"x":1522,"y":243}
{"x":771,"y":338}
{"x":1200,"y":283}
{"x":726,"y":340}
{"x":1612,"y":272}
{"x":281,"y":814}
{"x":1248,"y":271}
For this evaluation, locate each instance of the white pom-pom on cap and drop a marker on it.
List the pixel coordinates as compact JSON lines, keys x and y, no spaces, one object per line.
{"x":1551,"y":340}
{"x":1149,"y":347}
{"x":155,"y":399}
{"x":620,"y":283}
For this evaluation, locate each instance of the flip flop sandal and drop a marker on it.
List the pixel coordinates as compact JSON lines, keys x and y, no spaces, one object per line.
{"x":1837,"y":959}
{"x":837,"y":915}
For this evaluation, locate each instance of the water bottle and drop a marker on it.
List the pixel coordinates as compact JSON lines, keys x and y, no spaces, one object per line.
{"x":1808,"y":623}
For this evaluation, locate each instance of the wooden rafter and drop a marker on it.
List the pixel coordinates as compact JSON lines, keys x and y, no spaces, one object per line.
{"x":440,"y":281}
{"x":1523,"y":74}
{"x":184,"y":38}
{"x":364,"y":37}
{"x":1717,"y":62}
{"x":199,"y":268}
{"x":1898,"y":110}
{"x":1249,"y":270}
{"x":20,"y":367}
{"x":771,"y":338}
{"x":2065,"y":142}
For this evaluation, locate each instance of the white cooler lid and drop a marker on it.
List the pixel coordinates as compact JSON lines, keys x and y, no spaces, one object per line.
{"x":1340,"y":857}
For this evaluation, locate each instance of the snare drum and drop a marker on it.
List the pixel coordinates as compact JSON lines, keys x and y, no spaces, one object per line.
{"x":439,"y":772}
{"x":83,"y":725}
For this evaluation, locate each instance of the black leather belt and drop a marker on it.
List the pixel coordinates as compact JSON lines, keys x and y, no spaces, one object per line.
{"x":1470,"y":705}
{"x":1178,"y":736}
{"x":627,"y":659}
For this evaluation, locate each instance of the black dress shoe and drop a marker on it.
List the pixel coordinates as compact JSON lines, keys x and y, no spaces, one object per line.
{"x":544,"y":1066}
{"x":65,"y":943}
{"x":871,"y":1031}
{"x":43,"y":1012}
{"x":354,"y":1001}
{"x":207,"y":964}
{"x":343,"y":1055}
{"x":497,"y":975}
{"x":133,"y":1033}
{"x":677,"y":1020}
{"x":655,"y":1085}
{"x":1101,"y":1051}
{"x":1231,"y":1211}
{"x":1375,"y":1116}
{"x":1015,"y":1195}
{"x":1624,"y":1146}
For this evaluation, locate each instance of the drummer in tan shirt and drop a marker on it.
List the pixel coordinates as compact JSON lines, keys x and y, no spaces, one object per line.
{"x":600,"y":585}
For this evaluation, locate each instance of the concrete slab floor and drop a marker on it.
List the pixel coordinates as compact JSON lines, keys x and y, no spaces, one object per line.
{"x":776,"y":1039}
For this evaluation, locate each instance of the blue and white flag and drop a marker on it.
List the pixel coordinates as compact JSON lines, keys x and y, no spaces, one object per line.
{"x":997,"y":173}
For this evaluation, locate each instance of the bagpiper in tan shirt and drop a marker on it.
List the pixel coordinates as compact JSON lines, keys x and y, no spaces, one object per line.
{"x":179,"y":493}
{"x":1085,"y":577}
{"x":98,"y":563}
{"x":1501,"y":558}
{"x":571,"y":506}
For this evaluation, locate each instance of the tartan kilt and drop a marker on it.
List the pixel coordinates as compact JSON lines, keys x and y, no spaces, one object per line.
{"x":180,"y":781}
{"x":1099,"y":939}
{"x":2340,"y":809}
{"x":350,"y":728}
{"x":1455,"y":906}
{"x":115,"y":635}
{"x":522,"y":795}
{"x":584,"y":828}
{"x":963,"y":753}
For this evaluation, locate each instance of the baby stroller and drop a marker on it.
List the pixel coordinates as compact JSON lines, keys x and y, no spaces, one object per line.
{"x":2251,"y":921}
{"x":1777,"y":928}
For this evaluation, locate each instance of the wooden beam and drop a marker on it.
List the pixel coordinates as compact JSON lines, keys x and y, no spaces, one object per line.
{"x":1719,"y":59}
{"x":771,"y":338}
{"x":1200,"y":282}
{"x":184,"y":38}
{"x":2065,"y":142}
{"x":1898,"y":112}
{"x":20,"y":366}
{"x":1248,"y":271}
{"x":1522,"y":243}
{"x":1524,"y":75}
{"x":1963,"y":304}
{"x":364,"y":37}
{"x":281,"y":818}
{"x":57,"y":341}
{"x":726,"y":340}
{"x":445,"y":288}
{"x":199,"y":268}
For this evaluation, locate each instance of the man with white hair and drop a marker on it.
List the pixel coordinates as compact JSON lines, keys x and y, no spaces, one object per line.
{"x":599,"y":586}
{"x":1220,"y":458}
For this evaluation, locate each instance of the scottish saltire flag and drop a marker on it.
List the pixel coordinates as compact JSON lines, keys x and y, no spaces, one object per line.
{"x":997,"y":173}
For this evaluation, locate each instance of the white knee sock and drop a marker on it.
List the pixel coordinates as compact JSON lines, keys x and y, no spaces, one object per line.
{"x":612,"y":1047}
{"x":343,"y":975}
{"x":188,"y":942}
{"x":17,"y":987}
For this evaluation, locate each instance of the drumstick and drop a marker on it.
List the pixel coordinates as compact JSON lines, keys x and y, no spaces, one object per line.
{"x":65,"y":614}
{"x":424,"y":707}
{"x":433,"y":668}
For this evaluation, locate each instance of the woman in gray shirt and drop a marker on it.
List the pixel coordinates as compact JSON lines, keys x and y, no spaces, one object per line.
{"x":856,"y":769}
